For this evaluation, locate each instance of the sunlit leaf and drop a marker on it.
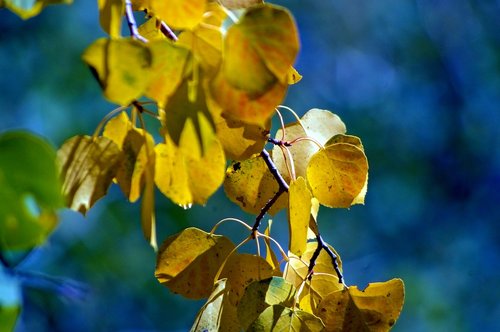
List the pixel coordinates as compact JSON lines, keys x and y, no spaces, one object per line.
{"x":117,"y":128}
{"x":299,"y":214}
{"x":251,"y":185}
{"x":169,"y":62}
{"x":110,"y":16}
{"x":217,"y":314}
{"x":241,"y":270}
{"x":240,"y":4}
{"x":30,"y":190}
{"x":187,"y":262}
{"x":281,"y":318}
{"x":88,"y":166}
{"x":293,"y":76}
{"x":261,"y":294}
{"x":375,"y":309}
{"x":338,"y":174}
{"x":318,"y":124}
{"x":260,"y":49}
{"x":28,"y":8}
{"x":270,"y":255}
{"x":151,"y":30}
{"x":238,"y":104}
{"x":179,"y":14}
{"x":148,"y":217}
{"x":122,"y":66}
{"x":240,"y":140}
{"x":8,"y":317}
{"x":185,"y":179}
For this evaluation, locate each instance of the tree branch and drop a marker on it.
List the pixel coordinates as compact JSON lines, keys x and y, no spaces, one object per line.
{"x":132,"y":25}
{"x":165,"y":29}
{"x":323,"y":246}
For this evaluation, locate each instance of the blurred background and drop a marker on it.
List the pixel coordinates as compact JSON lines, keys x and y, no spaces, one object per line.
{"x":418,"y":81}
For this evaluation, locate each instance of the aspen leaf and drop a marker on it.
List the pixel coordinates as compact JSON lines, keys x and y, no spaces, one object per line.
{"x":260,"y":49}
{"x":238,"y":104}
{"x":169,"y":62}
{"x":122,"y":67}
{"x":281,"y":318}
{"x":117,"y":129}
{"x":337,"y":174}
{"x":179,"y":14}
{"x":375,"y":309}
{"x":187,"y":262}
{"x":241,"y":270}
{"x":293,"y":76}
{"x":8,"y":316}
{"x":250,"y":185}
{"x":141,"y":5}
{"x":27,"y":9}
{"x":185,"y":179}
{"x":239,"y":139}
{"x":270,"y":255}
{"x":88,"y":166}
{"x":151,"y":31}
{"x":110,"y":16}
{"x":240,"y":4}
{"x":148,"y":217}
{"x":30,"y":191}
{"x":217,"y":314}
{"x":299,"y":214}
{"x":261,"y":294}
{"x":318,"y":124}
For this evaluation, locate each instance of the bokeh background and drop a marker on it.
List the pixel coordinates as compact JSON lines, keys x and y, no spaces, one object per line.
{"x":418,"y":81}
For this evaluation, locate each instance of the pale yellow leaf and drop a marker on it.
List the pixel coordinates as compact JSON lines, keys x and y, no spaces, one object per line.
{"x":299,"y":213}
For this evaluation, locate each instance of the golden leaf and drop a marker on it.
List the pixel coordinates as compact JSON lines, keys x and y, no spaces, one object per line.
{"x":110,"y":16}
{"x":299,"y":215}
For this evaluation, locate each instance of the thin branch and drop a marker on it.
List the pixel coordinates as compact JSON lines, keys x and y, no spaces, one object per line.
{"x":165,"y":29}
{"x":323,"y":246}
{"x":132,"y":25}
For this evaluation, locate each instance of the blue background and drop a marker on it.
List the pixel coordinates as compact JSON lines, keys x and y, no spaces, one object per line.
{"x":418,"y":81}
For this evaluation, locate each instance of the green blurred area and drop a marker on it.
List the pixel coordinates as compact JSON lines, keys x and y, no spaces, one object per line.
{"x":418,"y":81}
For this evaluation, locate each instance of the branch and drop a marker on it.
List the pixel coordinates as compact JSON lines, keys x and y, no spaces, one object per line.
{"x":323,"y":246}
{"x":165,"y":29}
{"x":132,"y":25}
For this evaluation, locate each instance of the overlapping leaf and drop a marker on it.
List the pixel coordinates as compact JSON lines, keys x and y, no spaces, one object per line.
{"x":88,"y":166}
{"x":188,"y":262}
{"x":318,"y":124}
{"x":299,"y":215}
{"x":261,"y":294}
{"x":110,"y":16}
{"x":338,"y":174}
{"x":375,"y":309}
{"x":250,"y":185}
{"x":240,"y":4}
{"x":122,"y":67}
{"x":180,"y":14}
{"x":185,"y":179}
{"x":27,"y":9}
{"x":30,"y":191}
{"x":281,"y":318}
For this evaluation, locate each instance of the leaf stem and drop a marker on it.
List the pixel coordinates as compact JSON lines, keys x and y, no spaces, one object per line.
{"x":132,"y":25}
{"x":165,"y":29}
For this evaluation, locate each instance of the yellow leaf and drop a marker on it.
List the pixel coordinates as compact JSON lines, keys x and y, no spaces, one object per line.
{"x":240,"y":140}
{"x":187,"y":262}
{"x":122,"y":66}
{"x":299,"y":213}
{"x":217,"y":314}
{"x":293,"y":76}
{"x":261,"y":294}
{"x":169,"y":62}
{"x":140,"y":5}
{"x":337,"y":174}
{"x":185,"y":179}
{"x":238,"y":104}
{"x":318,"y":124}
{"x":260,"y":49}
{"x":240,"y":4}
{"x":151,"y":30}
{"x":280,"y":318}
{"x":148,"y":218}
{"x":117,"y":128}
{"x":270,"y":255}
{"x":251,"y":185}
{"x":375,"y":309}
{"x":28,"y":9}
{"x":110,"y":16}
{"x":88,"y":165}
{"x":241,"y":270}
{"x":179,"y":14}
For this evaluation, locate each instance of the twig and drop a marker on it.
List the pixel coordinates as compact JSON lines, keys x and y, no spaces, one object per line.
{"x":323,"y":246}
{"x":132,"y":25}
{"x":165,"y":29}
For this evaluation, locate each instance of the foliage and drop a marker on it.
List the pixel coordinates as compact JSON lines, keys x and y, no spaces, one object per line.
{"x":213,"y":85}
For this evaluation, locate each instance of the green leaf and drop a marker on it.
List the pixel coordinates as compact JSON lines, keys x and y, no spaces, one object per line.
{"x":375,"y":309}
{"x":280,"y":318}
{"x":261,"y":294}
{"x":251,"y":185}
{"x":338,"y":174}
{"x":8,"y":317}
{"x":110,"y":16}
{"x":299,"y":215}
{"x":217,"y":314}
{"x":88,"y":166}
{"x":30,"y":190}
{"x":260,"y":49}
{"x":122,"y":67}
{"x":188,"y":262}
{"x":28,"y":8}
{"x":317,"y":124}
